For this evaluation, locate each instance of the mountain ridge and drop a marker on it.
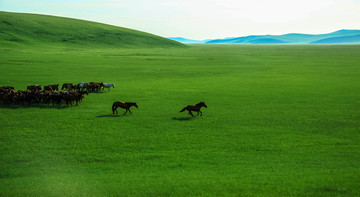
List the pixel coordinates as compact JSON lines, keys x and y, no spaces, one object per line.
{"x":339,"y":40}
{"x":290,"y":38}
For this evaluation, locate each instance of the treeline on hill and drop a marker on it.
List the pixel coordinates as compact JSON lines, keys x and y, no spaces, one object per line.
{"x":69,"y":94}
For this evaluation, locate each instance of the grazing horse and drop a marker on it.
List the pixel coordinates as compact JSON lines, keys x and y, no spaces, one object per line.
{"x":67,"y":86}
{"x":7,"y":89}
{"x":48,"y":88}
{"x":55,"y":87}
{"x":34,"y":88}
{"x":94,"y":86}
{"x":196,"y":108}
{"x":124,"y":105}
{"x":108,"y":85}
{"x":83,"y":85}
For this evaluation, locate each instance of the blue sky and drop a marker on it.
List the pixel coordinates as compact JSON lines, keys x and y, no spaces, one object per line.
{"x":203,"y":19}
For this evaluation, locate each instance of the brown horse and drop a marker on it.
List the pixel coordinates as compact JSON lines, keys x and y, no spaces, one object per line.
{"x":124,"y":105}
{"x":34,"y":88}
{"x":196,"y":108}
{"x":55,"y":87}
{"x":48,"y":88}
{"x":68,"y":86}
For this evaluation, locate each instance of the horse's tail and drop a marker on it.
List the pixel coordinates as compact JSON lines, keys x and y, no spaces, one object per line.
{"x":183,"y":109}
{"x":113,"y":107}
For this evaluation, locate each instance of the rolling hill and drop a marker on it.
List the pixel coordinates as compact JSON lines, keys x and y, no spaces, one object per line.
{"x":34,"y":29}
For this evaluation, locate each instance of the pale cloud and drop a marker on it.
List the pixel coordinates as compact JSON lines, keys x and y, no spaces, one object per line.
{"x":200,"y":19}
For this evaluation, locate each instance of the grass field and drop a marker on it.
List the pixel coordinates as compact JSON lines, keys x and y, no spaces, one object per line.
{"x":281,"y":121}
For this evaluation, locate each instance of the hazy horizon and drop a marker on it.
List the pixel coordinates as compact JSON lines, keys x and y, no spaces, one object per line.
{"x":202,"y":19}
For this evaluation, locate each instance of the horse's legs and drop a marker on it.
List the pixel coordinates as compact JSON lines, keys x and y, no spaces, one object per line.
{"x":200,"y":113}
{"x":126,"y":111}
{"x":191,"y":114}
{"x":197,"y":113}
{"x":114,"y":110}
{"x":130,"y":111}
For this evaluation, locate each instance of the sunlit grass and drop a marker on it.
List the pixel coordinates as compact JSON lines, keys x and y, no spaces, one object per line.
{"x":281,"y":121}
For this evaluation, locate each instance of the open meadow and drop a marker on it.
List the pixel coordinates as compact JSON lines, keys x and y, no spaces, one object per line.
{"x":282,"y":120}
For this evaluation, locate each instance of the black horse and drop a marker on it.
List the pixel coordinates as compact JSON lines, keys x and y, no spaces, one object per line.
{"x":124,"y":105}
{"x":196,"y":108}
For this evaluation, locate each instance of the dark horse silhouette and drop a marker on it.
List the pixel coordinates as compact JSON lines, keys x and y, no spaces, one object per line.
{"x":124,"y":105}
{"x":196,"y":108}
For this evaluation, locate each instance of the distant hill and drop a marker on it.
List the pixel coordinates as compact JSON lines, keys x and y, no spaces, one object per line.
{"x":339,"y":40}
{"x":310,"y":38}
{"x":34,"y":29}
{"x":266,"y":41}
{"x":186,"y":41}
{"x":248,"y":40}
{"x":292,"y":38}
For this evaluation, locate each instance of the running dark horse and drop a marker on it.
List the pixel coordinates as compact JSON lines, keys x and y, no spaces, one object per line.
{"x":124,"y":105}
{"x":196,"y":108}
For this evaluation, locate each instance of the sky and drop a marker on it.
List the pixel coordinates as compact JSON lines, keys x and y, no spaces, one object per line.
{"x":204,"y":19}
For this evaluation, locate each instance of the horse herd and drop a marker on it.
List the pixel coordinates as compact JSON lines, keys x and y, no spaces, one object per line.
{"x":88,"y":86}
{"x":50,"y":94}
{"x":70,"y":94}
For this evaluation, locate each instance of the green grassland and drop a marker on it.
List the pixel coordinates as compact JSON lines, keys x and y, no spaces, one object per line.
{"x":282,"y":120}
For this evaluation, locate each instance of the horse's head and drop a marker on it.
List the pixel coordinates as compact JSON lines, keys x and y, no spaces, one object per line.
{"x":202,"y":104}
{"x":113,"y":85}
{"x":84,"y":92}
{"x":135,"y":105}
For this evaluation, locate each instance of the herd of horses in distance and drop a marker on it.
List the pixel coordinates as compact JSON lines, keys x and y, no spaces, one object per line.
{"x":69,"y":94}
{"x":50,"y":94}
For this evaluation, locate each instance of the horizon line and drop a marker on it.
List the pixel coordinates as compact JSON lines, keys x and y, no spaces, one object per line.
{"x":229,"y":37}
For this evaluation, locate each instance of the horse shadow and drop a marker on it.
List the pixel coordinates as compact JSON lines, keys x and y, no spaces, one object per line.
{"x":182,"y":118}
{"x":108,"y":116}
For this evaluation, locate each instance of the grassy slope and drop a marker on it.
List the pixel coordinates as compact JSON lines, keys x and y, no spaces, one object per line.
{"x":281,"y":121}
{"x":34,"y":30}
